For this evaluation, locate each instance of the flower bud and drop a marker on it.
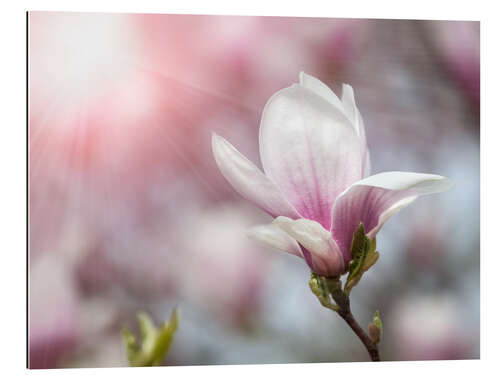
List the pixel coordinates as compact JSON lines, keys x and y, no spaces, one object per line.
{"x":375,"y":328}
{"x":315,"y":286}
{"x":374,"y":333}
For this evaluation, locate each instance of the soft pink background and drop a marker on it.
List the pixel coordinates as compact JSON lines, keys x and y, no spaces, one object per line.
{"x":128,"y":211}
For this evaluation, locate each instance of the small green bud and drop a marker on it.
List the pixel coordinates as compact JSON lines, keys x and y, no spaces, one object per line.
{"x":320,"y":286}
{"x":375,"y":328}
{"x":378,"y":321}
{"x":315,"y":286}
{"x":374,"y":333}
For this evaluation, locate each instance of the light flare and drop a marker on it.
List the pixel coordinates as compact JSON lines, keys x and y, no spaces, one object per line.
{"x":82,"y":55}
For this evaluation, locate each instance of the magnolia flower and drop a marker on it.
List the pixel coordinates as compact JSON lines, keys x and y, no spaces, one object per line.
{"x":316,"y":162}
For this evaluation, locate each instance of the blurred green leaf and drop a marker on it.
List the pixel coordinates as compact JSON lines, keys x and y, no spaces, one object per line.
{"x":155,"y":342}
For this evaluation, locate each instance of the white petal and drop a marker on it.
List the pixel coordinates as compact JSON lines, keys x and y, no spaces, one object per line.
{"x":349,"y":103}
{"x":275,"y":237}
{"x":356,"y":120}
{"x":321,"y":252}
{"x":373,"y":200}
{"x":367,"y":165}
{"x":248,"y":180}
{"x":422,"y":182}
{"x":308,"y":233}
{"x":319,"y":88}
{"x":309,"y":149}
{"x":352,"y":111}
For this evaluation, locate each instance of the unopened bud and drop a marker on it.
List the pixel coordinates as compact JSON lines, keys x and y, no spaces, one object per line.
{"x":315,"y":286}
{"x":374,"y":333}
{"x":375,"y":328}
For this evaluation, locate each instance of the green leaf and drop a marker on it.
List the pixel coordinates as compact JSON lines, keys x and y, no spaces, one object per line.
{"x":364,"y":256}
{"x":359,"y":249}
{"x":370,"y":260}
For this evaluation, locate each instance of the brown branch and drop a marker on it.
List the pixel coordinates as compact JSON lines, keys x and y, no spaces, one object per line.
{"x":324,"y":287}
{"x":344,"y":310}
{"x":369,"y":345}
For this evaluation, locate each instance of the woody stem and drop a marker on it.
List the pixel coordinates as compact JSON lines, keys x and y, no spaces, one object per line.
{"x":369,"y":345}
{"x":344,"y":310}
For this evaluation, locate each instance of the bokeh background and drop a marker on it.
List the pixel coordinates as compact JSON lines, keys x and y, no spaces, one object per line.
{"x":128,"y":211}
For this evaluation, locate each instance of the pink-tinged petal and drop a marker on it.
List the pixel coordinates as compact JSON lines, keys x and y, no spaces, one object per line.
{"x":249,"y":181}
{"x":319,"y":88}
{"x":373,"y":200}
{"x":321,"y":251}
{"x":309,"y":149}
{"x":275,"y":237}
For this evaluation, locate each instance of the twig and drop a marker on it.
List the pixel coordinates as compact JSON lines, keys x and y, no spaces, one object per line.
{"x":324,"y":288}
{"x":369,"y":345}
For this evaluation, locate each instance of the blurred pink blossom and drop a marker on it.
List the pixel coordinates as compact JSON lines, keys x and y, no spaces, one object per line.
{"x":216,"y":267}
{"x":457,"y":42}
{"x":53,"y":321}
{"x":429,"y":328}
